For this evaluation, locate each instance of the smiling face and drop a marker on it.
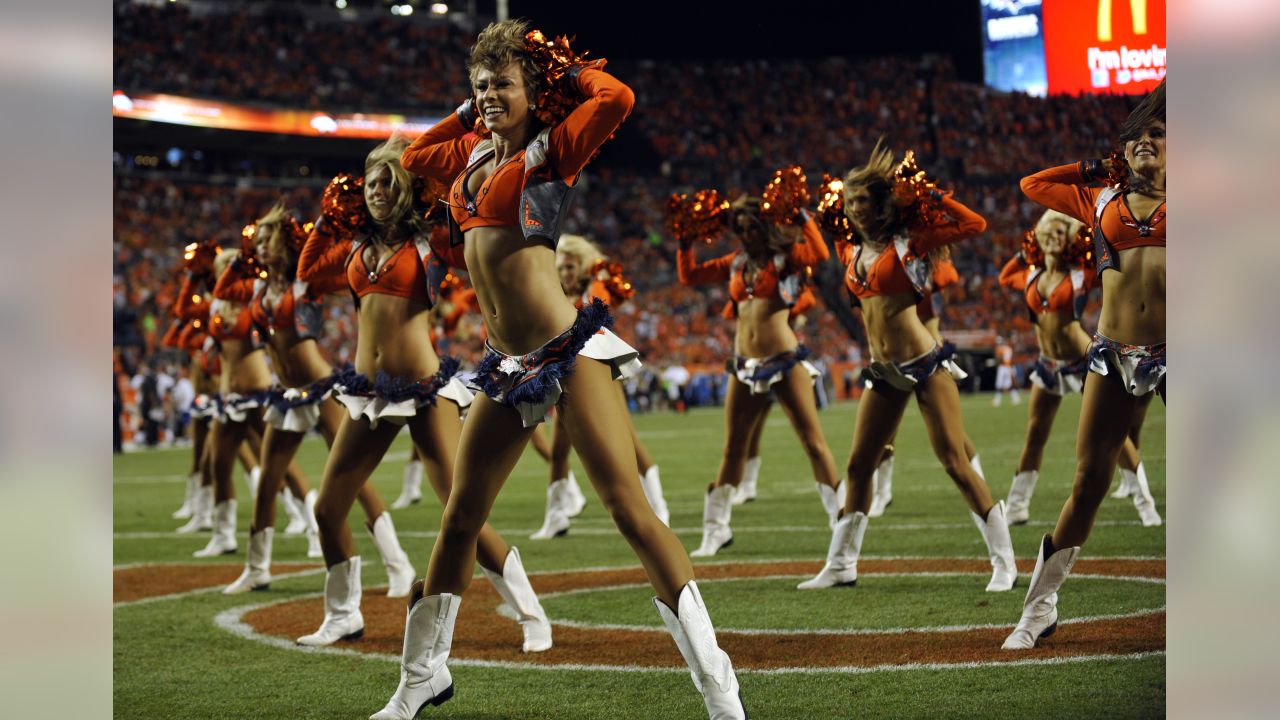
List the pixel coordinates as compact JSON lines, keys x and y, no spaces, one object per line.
{"x":1146,"y":153}
{"x":502,"y":98}
{"x":268,"y":244}
{"x":860,"y":208}
{"x":569,"y":267}
{"x":1053,"y":239}
{"x":380,"y":192}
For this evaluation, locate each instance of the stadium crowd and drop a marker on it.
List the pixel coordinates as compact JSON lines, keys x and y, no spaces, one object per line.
{"x":705,"y":122}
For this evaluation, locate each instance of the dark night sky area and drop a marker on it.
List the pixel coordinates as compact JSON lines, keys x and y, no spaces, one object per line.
{"x":787,"y":28}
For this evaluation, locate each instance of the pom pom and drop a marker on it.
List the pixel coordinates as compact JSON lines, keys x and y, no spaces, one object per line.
{"x":431,"y":198}
{"x":1078,"y":252}
{"x":831,"y":217}
{"x":1117,"y":171}
{"x":785,"y":196}
{"x":1031,"y":253}
{"x":197,"y":258}
{"x":342,"y":206}
{"x":701,"y":217}
{"x":610,"y":273}
{"x":916,"y":194}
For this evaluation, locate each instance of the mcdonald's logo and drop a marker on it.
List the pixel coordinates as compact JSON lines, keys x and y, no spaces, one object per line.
{"x":1137,"y":11}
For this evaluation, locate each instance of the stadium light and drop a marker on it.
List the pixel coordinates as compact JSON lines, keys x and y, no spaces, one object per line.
{"x":340,"y":4}
{"x":439,"y":9}
{"x":402,"y":10}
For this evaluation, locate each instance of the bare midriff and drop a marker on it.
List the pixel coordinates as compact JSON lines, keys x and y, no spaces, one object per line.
{"x":517,"y":288}
{"x":763,"y":329}
{"x":894,"y":331}
{"x":395,"y":338}
{"x":244,"y":368}
{"x":1133,"y":297}
{"x":297,"y":359}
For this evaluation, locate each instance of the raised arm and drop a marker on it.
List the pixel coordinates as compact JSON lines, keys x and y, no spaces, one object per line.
{"x":575,"y":140}
{"x":1014,"y":274}
{"x":964,"y":224}
{"x":234,"y":285}
{"x":1065,"y":188}
{"x":812,"y":249}
{"x":323,"y":258}
{"x":442,"y":151}
{"x":692,"y":272}
{"x":190,"y":304}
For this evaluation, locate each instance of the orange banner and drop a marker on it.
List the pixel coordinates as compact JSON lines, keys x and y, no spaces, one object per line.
{"x":227,"y":116}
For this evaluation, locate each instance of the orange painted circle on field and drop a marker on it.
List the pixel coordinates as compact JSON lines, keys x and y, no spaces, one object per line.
{"x":481,"y":634}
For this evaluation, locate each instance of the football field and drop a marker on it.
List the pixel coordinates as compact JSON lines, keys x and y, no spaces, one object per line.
{"x":917,"y":636}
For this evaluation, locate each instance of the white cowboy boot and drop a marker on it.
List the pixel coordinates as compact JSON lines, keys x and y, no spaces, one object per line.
{"x":842,"y":554}
{"x":712,"y":671}
{"x":201,"y":512}
{"x":424,"y":676}
{"x":342,"y":618}
{"x":976,"y":463}
{"x":652,"y":486}
{"x":1040,"y":609}
{"x":293,"y":508}
{"x":1127,"y":484}
{"x":716,"y":511}
{"x":1024,"y":485}
{"x":1142,"y":500}
{"x":750,"y":475}
{"x":253,"y":478}
{"x":832,"y":501}
{"x":411,"y":490}
{"x":223,"y":541}
{"x":995,"y":532}
{"x":257,"y":567}
{"x":574,"y":499}
{"x":882,"y":482}
{"x":313,"y":528}
{"x":193,"y":486}
{"x":513,"y":585}
{"x":400,"y":572}
{"x":555,"y":523}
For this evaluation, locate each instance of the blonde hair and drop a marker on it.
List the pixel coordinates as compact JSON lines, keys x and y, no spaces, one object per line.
{"x":223,"y":259}
{"x":388,"y":154}
{"x":501,"y":44}
{"x":877,"y":176}
{"x":1053,"y":216}
{"x":581,"y":248}
{"x":276,"y":215}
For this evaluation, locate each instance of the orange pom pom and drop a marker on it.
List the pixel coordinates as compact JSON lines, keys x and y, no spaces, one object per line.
{"x":610,"y":273}
{"x":342,"y":205}
{"x":701,"y":217}
{"x":831,"y":217}
{"x":916,"y":194}
{"x":785,"y":196}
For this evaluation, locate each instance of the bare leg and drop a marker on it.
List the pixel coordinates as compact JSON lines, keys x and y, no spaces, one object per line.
{"x":643,"y":460}
{"x":435,"y":433}
{"x":879,"y":413}
{"x":249,"y":451}
{"x":540,"y":445}
{"x":939,"y":401}
{"x":559,"y":457}
{"x":357,"y":450}
{"x":596,"y":418}
{"x":278,"y":449}
{"x":753,"y":445}
{"x":1041,"y":411}
{"x":332,"y":416}
{"x":742,"y":412}
{"x":490,"y":446}
{"x":199,"y":432}
{"x":1105,"y":419}
{"x":795,"y":393}
{"x":229,"y":438}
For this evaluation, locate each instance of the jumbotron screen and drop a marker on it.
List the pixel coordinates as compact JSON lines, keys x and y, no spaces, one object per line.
{"x":1074,"y":46}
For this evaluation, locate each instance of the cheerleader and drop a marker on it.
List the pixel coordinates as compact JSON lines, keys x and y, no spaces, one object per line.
{"x":1050,"y":275}
{"x":1127,"y":355}
{"x":507,"y":193}
{"x":576,"y":258}
{"x":288,"y":315}
{"x":764,"y":279}
{"x":398,"y":380}
{"x":888,"y":274}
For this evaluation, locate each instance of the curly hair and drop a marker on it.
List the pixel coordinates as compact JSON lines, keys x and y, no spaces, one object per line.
{"x":581,"y":248}
{"x":501,"y":44}
{"x":877,"y":176}
{"x":1053,"y":216}
{"x":388,"y":154}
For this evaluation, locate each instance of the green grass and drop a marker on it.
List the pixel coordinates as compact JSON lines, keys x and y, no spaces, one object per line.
{"x":170,"y":661}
